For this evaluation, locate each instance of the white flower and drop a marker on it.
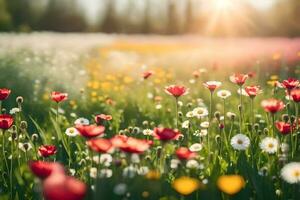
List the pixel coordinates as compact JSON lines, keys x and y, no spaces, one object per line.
{"x":269,"y":145}
{"x":120,"y":189}
{"x":105,"y":173}
{"x":72,"y":172}
{"x":106,"y":159}
{"x":196,"y":147}
{"x":179,"y":103}
{"x":189,"y":114}
{"x":174,"y":163}
{"x":143,"y":170}
{"x":224,"y":94}
{"x":148,"y":132}
{"x":192,"y":81}
{"x":203,"y":132}
{"x":200,"y":112}
{"x":150,"y":95}
{"x":185,"y":124}
{"x":240,"y":142}
{"x":14,"y":111}
{"x":204,"y":124}
{"x":291,"y":172}
{"x":81,"y":121}
{"x":135,"y":158}
{"x":230,"y":114}
{"x":158,"y":106}
{"x":25,"y":146}
{"x":129,"y":171}
{"x":192,"y":164}
{"x":93,"y":172}
{"x":72,"y":132}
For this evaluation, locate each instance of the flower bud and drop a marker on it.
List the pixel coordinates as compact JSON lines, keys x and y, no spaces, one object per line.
{"x":19,"y":100}
{"x":145,"y":123}
{"x":23,"y":125}
{"x":293,"y":118}
{"x":130,"y":129}
{"x":189,"y":105}
{"x":266,"y":131}
{"x":240,"y":108}
{"x":136,"y":130}
{"x":34,"y":137}
{"x":284,"y":147}
{"x":256,"y":126}
{"x":217,"y":115}
{"x":14,"y":128}
{"x":180,"y":114}
{"x":14,"y":135}
{"x":285,"y":118}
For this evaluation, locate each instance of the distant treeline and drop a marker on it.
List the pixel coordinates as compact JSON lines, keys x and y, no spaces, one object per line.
{"x":163,"y":17}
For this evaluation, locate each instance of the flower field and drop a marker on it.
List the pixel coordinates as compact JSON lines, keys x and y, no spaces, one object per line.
{"x":149,"y":117}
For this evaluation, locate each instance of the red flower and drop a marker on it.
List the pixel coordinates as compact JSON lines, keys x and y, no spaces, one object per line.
{"x":61,"y":187}
{"x":212,"y":85}
{"x":47,"y":150}
{"x":295,"y":94}
{"x":252,"y":91}
{"x":176,"y":90}
{"x":90,"y":131}
{"x":59,"y":97}
{"x":147,"y":74}
{"x":184,"y":153}
{"x":283,"y":127}
{"x":43,"y":169}
{"x":290,"y":83}
{"x":238,"y":79}
{"x":4,"y":93}
{"x":272,"y":105}
{"x":100,"y":145}
{"x":166,"y":134}
{"x":99,"y":118}
{"x":133,"y":145}
{"x":118,"y":140}
{"x":6,"y":121}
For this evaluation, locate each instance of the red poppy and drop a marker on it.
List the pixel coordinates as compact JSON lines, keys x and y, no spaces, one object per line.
{"x":6,"y":121}
{"x":43,"y":169}
{"x":212,"y":85}
{"x":47,"y":150}
{"x":99,"y":118}
{"x":252,"y":91}
{"x":176,"y":90}
{"x":284,"y":127}
{"x":166,"y":134}
{"x":59,"y":96}
{"x":61,"y":187}
{"x":100,"y":145}
{"x":290,"y":83}
{"x":118,"y":140}
{"x":272,"y":105}
{"x":4,"y":93}
{"x":295,"y":94}
{"x":133,"y":145}
{"x":184,"y":153}
{"x":90,"y":131}
{"x":147,"y":74}
{"x":238,"y":79}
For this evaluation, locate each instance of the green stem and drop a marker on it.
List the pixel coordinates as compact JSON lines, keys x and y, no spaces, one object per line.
{"x":241,"y":107}
{"x":11,"y":170}
{"x":176,"y":110}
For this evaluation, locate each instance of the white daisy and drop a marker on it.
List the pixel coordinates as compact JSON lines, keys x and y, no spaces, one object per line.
{"x":148,"y":132}
{"x":93,"y":172}
{"x":240,"y":142}
{"x":174,"y":163}
{"x":106,"y":159}
{"x":192,"y":164}
{"x":185,"y":124}
{"x":189,"y":114}
{"x":158,"y":106}
{"x":196,"y":147}
{"x":106,"y":173}
{"x":204,"y":124}
{"x":200,"y":112}
{"x":269,"y":145}
{"x":291,"y":172}
{"x":72,"y":132}
{"x":224,"y":94}
{"x":81,"y":121}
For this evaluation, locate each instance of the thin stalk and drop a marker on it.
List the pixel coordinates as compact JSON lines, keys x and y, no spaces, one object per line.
{"x":57,"y":108}
{"x":0,"y":107}
{"x":241,"y":107}
{"x":273,"y":124}
{"x":252,"y":116}
{"x":297,"y":125}
{"x":11,"y":170}
{"x":176,"y":109}
{"x":3,"y":149}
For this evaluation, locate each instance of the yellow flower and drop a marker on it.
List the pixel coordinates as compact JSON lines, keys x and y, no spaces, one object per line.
{"x":46,"y":96}
{"x":186,"y":185}
{"x":153,"y":175}
{"x":230,"y":184}
{"x":274,"y":77}
{"x":127,"y":79}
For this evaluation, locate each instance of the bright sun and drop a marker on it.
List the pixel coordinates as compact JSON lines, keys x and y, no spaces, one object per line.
{"x":221,"y":5}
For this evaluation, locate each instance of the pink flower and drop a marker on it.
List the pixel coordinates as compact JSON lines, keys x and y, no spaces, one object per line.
{"x":212,"y":85}
{"x":176,"y":90}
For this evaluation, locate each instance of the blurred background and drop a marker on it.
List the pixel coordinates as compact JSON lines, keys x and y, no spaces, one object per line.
{"x":203,"y":17}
